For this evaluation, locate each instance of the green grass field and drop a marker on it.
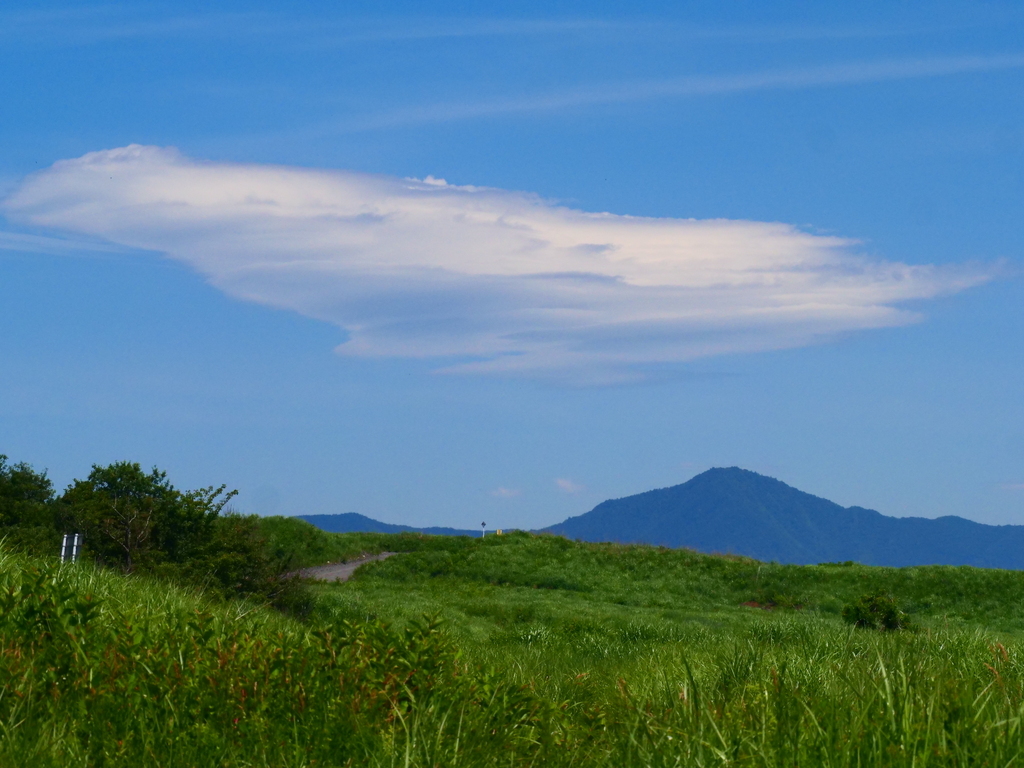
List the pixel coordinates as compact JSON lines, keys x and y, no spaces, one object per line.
{"x":513,"y":650}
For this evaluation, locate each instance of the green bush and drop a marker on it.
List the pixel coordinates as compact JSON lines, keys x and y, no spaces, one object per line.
{"x":876,"y":611}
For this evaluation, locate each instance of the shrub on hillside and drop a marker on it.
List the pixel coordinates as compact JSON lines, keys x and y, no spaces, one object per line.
{"x":876,"y":611}
{"x":237,"y":560}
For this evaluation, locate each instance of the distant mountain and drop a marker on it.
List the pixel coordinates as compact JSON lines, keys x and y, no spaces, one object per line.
{"x":741,"y":512}
{"x":351,"y":522}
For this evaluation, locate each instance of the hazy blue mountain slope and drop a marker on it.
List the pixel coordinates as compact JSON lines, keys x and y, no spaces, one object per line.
{"x":734,"y":510}
{"x":352,"y":522}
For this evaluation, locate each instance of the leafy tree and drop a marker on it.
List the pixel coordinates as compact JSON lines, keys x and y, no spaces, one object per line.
{"x":134,"y":519}
{"x":137,"y":521}
{"x":26,"y":508}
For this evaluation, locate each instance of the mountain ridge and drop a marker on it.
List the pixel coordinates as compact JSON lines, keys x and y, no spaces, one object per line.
{"x":353,"y":522}
{"x":735,"y":511}
{"x":742,"y":512}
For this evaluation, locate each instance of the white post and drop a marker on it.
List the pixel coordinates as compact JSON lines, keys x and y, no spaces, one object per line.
{"x":71,"y":547}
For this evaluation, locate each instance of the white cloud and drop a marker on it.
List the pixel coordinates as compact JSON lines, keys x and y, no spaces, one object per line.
{"x":485,"y":280}
{"x":564,"y":484}
{"x":506,"y":493}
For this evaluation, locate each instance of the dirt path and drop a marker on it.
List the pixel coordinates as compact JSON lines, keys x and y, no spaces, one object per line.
{"x":341,"y":571}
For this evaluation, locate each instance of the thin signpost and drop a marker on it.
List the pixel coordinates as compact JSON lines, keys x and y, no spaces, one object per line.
{"x":483,"y":530}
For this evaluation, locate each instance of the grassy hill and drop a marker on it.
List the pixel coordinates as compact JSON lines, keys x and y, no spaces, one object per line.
{"x":538,"y":651}
{"x":649,"y":583}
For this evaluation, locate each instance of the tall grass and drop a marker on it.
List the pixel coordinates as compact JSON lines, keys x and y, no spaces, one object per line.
{"x":636,"y":657}
{"x":101,"y":669}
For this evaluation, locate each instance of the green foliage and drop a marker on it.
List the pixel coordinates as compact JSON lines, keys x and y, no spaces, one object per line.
{"x":876,"y":611}
{"x":538,"y":650}
{"x":99,"y":669}
{"x":133,"y":519}
{"x":237,"y":560}
{"x":299,"y":544}
{"x":26,"y":511}
{"x":138,"y":522}
{"x":662,"y":582}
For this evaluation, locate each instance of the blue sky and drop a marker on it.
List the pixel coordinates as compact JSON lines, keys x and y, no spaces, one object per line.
{"x":808,"y":263}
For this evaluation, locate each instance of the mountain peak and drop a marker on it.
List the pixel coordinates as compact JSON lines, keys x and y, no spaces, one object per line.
{"x":730,"y":509}
{"x":731,"y":473}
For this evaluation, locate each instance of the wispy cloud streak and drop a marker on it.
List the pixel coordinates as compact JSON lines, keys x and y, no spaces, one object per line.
{"x":851,"y":73}
{"x":89,"y":26}
{"x":100,"y":24}
{"x":59,"y":246}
